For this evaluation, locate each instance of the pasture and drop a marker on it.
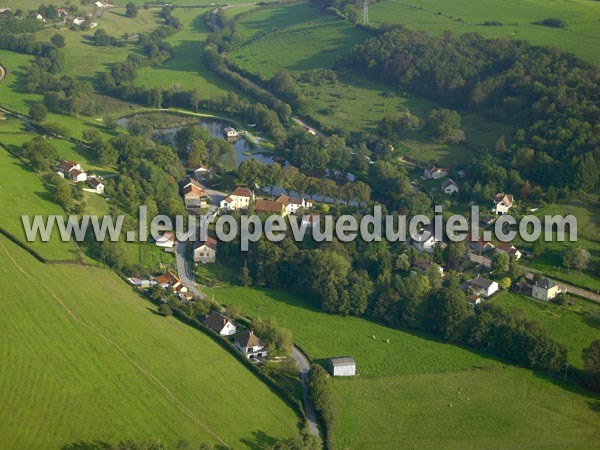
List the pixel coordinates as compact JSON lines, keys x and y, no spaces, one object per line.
{"x":186,"y":69}
{"x":516,"y":17}
{"x":87,"y":359}
{"x":19,"y":184}
{"x":297,"y":37}
{"x":402,"y":395}
{"x":504,"y":407}
{"x":573,"y":326}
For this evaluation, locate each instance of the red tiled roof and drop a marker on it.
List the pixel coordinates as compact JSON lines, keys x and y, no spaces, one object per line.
{"x":242,"y":192}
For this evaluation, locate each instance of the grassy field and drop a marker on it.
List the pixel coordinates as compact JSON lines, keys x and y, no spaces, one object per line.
{"x":353,"y":336}
{"x":186,"y":69}
{"x":402,"y":396}
{"x":20,"y":184}
{"x":297,"y":37}
{"x":476,"y":409}
{"x":517,"y":16}
{"x":86,"y":359}
{"x":573,"y":326}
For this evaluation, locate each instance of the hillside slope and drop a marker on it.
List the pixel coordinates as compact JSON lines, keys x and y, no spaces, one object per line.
{"x":86,"y":359}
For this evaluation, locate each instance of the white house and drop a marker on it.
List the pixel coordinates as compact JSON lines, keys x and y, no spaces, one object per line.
{"x":342,"y":367}
{"x":293,"y":204}
{"x":205,"y":251}
{"x":96,"y":185}
{"x":78,"y":176}
{"x":483,"y":286}
{"x":171,"y":280}
{"x":240,"y":198}
{"x":78,"y":21}
{"x":99,"y":5}
{"x":221,"y":324}
{"x":545,"y":290}
{"x":449,"y":187}
{"x":194,"y":195}
{"x":167,"y":240}
{"x":432,"y":172}
{"x":230,"y":132}
{"x":424,"y":241}
{"x":473,"y":300}
{"x":250,"y":345}
{"x":502,"y":203}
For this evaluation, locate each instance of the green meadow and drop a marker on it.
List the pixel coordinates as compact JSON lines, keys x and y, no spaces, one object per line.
{"x":297,"y":37}
{"x":516,"y":16}
{"x":186,"y":69}
{"x":416,"y":392}
{"x":573,"y":326}
{"x":85,"y":359}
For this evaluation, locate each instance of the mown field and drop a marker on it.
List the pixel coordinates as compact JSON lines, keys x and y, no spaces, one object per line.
{"x":86,"y":359}
{"x":516,"y":16}
{"x":415,"y":392}
{"x":573,"y":326}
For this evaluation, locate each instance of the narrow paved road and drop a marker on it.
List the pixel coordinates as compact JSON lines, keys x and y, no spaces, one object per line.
{"x":304,"y":368}
{"x":185,"y":272}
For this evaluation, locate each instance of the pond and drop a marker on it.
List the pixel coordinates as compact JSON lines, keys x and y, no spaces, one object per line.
{"x":243,"y":150}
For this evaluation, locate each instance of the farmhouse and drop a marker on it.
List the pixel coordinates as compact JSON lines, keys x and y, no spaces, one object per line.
{"x":509,"y":249}
{"x":78,"y":21}
{"x":205,"y":251}
{"x":238,"y":199}
{"x":545,"y":290}
{"x":230,"y":132}
{"x":432,"y":172}
{"x":250,"y":345}
{"x":342,"y":366}
{"x":263,"y":206}
{"x":424,"y":241}
{"x":449,"y":187}
{"x":193,"y":194}
{"x":73,"y":170}
{"x":502,"y":203}
{"x":96,"y":184}
{"x":483,"y":286}
{"x":170,"y":280}
{"x":221,"y":324}
{"x":293,"y":204}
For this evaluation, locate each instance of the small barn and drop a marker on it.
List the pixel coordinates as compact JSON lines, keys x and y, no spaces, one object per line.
{"x":342,"y":367}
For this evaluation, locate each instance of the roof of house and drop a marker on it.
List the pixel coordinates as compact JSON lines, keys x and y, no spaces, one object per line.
{"x":229,"y":129}
{"x":507,"y":247}
{"x":216,"y":321}
{"x":481,"y":282}
{"x":75,"y":172}
{"x":192,"y":190}
{"x":423,"y":264}
{"x":343,"y":361}
{"x":168,"y":278}
{"x":449,"y":182}
{"x":247,"y":339}
{"x":545,"y":283}
{"x":242,"y":192}
{"x":209,"y":242}
{"x":166,"y":237}
{"x":286,"y":200}
{"x":432,"y":168}
{"x":228,"y":199}
{"x":507,"y":199}
{"x":67,"y":165}
{"x":263,"y":205}
{"x":95,"y":182}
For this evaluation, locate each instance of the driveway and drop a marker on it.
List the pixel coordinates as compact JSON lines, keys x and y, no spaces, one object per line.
{"x":304,"y":368}
{"x":184,"y":272}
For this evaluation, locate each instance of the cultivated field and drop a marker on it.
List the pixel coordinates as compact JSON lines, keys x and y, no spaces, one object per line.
{"x":403,"y":394}
{"x":516,"y":16}
{"x":86,"y":359}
